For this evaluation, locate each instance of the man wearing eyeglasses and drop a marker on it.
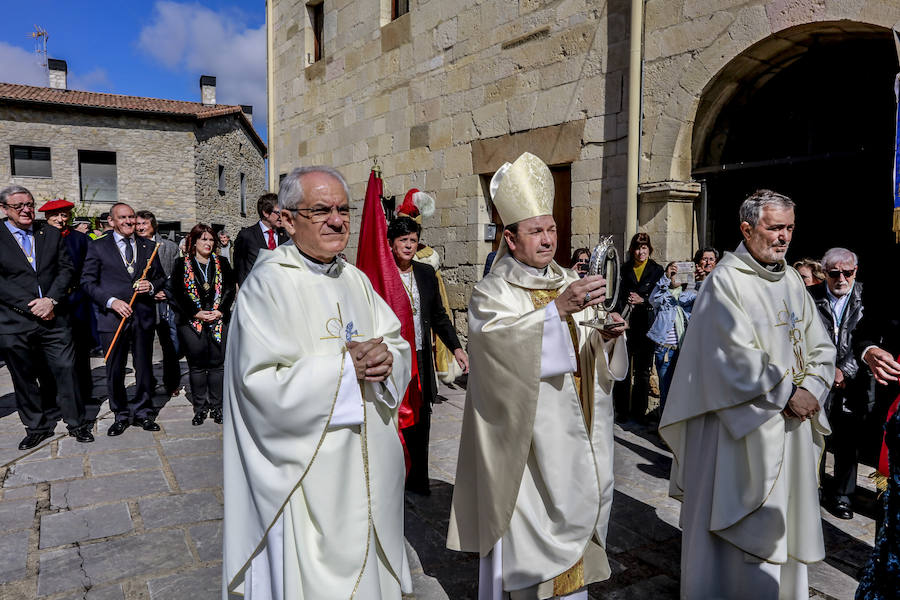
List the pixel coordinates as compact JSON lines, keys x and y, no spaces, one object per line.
{"x":840,"y":306}
{"x":315,"y":369}
{"x":35,"y":273}
{"x":266,"y":233}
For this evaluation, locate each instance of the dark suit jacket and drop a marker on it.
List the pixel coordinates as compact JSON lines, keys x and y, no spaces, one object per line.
{"x":642,"y":314}
{"x":104,"y":276}
{"x":246,"y":248}
{"x":432,"y":316}
{"x":78,"y":304}
{"x":19,"y":281}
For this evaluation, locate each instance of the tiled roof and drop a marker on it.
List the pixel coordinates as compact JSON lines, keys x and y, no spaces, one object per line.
{"x":115,"y":102}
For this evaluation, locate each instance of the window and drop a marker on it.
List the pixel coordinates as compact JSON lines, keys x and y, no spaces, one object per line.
{"x":29,"y":161}
{"x":98,"y":176}
{"x":399,"y":8}
{"x":243,"y":196}
{"x":314,"y":51}
{"x":221,"y":179}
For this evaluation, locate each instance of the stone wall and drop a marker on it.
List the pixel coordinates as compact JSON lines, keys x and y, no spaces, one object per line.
{"x":444,"y":94}
{"x":428,"y":92}
{"x":154,"y":158}
{"x":224,"y":141}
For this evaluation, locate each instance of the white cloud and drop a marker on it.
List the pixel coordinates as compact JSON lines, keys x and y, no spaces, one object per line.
{"x":18,"y":65}
{"x":192,"y":38}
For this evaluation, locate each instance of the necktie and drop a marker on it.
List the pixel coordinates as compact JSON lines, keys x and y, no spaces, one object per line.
{"x":27,"y":248}
{"x":129,"y":251}
{"x":271,"y":233}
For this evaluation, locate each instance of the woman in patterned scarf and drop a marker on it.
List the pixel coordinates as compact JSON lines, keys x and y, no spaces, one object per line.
{"x":202,"y":290}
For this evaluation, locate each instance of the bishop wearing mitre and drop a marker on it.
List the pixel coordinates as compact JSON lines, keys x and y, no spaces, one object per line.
{"x":534,"y":481}
{"x":315,"y":369}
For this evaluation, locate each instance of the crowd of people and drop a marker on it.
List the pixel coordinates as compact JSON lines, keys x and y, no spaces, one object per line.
{"x":69,"y":292}
{"x":758,"y":365}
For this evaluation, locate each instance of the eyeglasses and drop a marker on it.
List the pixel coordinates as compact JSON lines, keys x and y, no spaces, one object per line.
{"x":20,"y":207}
{"x":320,"y":215}
{"x":834,"y":274}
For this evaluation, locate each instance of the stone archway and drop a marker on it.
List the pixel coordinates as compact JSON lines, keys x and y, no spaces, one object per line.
{"x":807,"y":112}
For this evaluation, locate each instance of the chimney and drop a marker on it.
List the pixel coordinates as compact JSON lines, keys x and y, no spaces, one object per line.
{"x":57,"y":70}
{"x":248,"y":112}
{"x":207,"y":89}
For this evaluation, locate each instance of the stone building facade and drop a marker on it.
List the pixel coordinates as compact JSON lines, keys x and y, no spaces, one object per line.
{"x":166,"y":155}
{"x":446,"y":93}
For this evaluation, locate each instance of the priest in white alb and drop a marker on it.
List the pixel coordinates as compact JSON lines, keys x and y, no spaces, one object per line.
{"x":534,"y":481}
{"x":315,"y":369}
{"x":744,"y":421}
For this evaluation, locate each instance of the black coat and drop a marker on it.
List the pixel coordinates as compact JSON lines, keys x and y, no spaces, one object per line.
{"x":78,"y":304}
{"x":432,"y":317}
{"x":181,"y":302}
{"x":104,"y":276}
{"x":19,"y":282}
{"x":641,"y":314}
{"x":247,"y":245}
{"x":853,"y":311}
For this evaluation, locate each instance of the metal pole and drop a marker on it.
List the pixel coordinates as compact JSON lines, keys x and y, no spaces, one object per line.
{"x":270,"y":97}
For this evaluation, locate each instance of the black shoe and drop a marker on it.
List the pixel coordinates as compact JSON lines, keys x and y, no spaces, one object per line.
{"x":216,"y":415}
{"x":146,"y":424}
{"x":33,"y":439}
{"x":117,"y":428}
{"x":82,"y":434}
{"x":841,"y":510}
{"x":198,"y":418}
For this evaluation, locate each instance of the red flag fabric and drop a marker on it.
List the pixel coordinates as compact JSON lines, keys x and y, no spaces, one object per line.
{"x":374,"y":258}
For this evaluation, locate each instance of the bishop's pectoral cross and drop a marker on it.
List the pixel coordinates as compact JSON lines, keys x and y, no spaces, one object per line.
{"x":338,"y":331}
{"x":787,"y":318}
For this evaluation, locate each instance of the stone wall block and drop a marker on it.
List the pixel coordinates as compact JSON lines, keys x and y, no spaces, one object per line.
{"x":686,"y":36}
{"x":750,"y":26}
{"x":659,"y":14}
{"x":520,"y":112}
{"x":491,"y":120}
{"x":458,"y":161}
{"x":445,"y":34}
{"x":552,"y":107}
{"x":464,"y":128}
{"x":787,"y":13}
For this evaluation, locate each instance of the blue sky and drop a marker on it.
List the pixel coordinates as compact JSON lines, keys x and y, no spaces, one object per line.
{"x":144,"y":47}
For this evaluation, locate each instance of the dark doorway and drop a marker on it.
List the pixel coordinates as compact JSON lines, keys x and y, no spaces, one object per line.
{"x":820,"y":131}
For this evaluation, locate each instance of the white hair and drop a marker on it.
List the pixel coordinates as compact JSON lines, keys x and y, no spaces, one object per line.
{"x":290,"y":194}
{"x":838,"y":255}
{"x":752,"y":207}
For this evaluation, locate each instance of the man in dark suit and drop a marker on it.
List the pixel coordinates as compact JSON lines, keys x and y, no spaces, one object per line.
{"x":266,"y":233}
{"x":35,"y":272}
{"x":77,"y":306}
{"x":112,"y":271}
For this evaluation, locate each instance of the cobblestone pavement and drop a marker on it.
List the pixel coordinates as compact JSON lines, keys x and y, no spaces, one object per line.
{"x":139,"y":516}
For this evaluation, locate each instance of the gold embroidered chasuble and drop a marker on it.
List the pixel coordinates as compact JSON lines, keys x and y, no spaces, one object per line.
{"x":746,"y":474}
{"x":334,"y":495}
{"x":535,"y":467}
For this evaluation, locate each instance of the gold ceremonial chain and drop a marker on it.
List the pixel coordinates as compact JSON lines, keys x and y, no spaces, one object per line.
{"x":28,"y":257}
{"x":129,"y":266}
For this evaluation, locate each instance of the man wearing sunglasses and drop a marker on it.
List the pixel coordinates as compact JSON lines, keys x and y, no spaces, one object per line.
{"x":840,"y":306}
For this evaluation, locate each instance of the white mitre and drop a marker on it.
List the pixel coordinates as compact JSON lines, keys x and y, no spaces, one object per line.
{"x":523,"y":189}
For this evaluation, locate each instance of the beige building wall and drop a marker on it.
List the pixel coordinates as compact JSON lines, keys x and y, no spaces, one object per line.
{"x":443,"y":95}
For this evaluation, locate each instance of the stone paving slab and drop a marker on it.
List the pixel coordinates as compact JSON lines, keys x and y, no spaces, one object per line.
{"x":135,"y":459}
{"x":199,"y":584}
{"x":190,"y":446}
{"x":44,"y":470}
{"x":84,"y":524}
{"x":208,"y":540}
{"x":109,"y":488}
{"x":16,"y":514}
{"x":112,"y":592}
{"x":13,"y":555}
{"x":186,"y":428}
{"x":40,"y":453}
{"x":113,"y":560}
{"x":180,"y":509}
{"x":134,"y":437}
{"x":196,"y":472}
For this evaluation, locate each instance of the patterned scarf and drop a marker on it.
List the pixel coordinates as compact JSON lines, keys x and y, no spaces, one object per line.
{"x":190,"y":282}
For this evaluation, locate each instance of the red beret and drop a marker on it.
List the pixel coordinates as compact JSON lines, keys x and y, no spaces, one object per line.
{"x":57,"y":204}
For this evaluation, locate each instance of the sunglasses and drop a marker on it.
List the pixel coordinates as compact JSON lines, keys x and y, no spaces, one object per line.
{"x":848,"y":273}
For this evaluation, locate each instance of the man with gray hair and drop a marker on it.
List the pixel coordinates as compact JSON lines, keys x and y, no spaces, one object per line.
{"x":743,"y":419}
{"x":315,"y":369}
{"x":840,"y":306}
{"x":35,"y":338}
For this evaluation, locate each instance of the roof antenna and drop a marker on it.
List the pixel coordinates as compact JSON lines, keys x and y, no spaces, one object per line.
{"x":40,"y":37}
